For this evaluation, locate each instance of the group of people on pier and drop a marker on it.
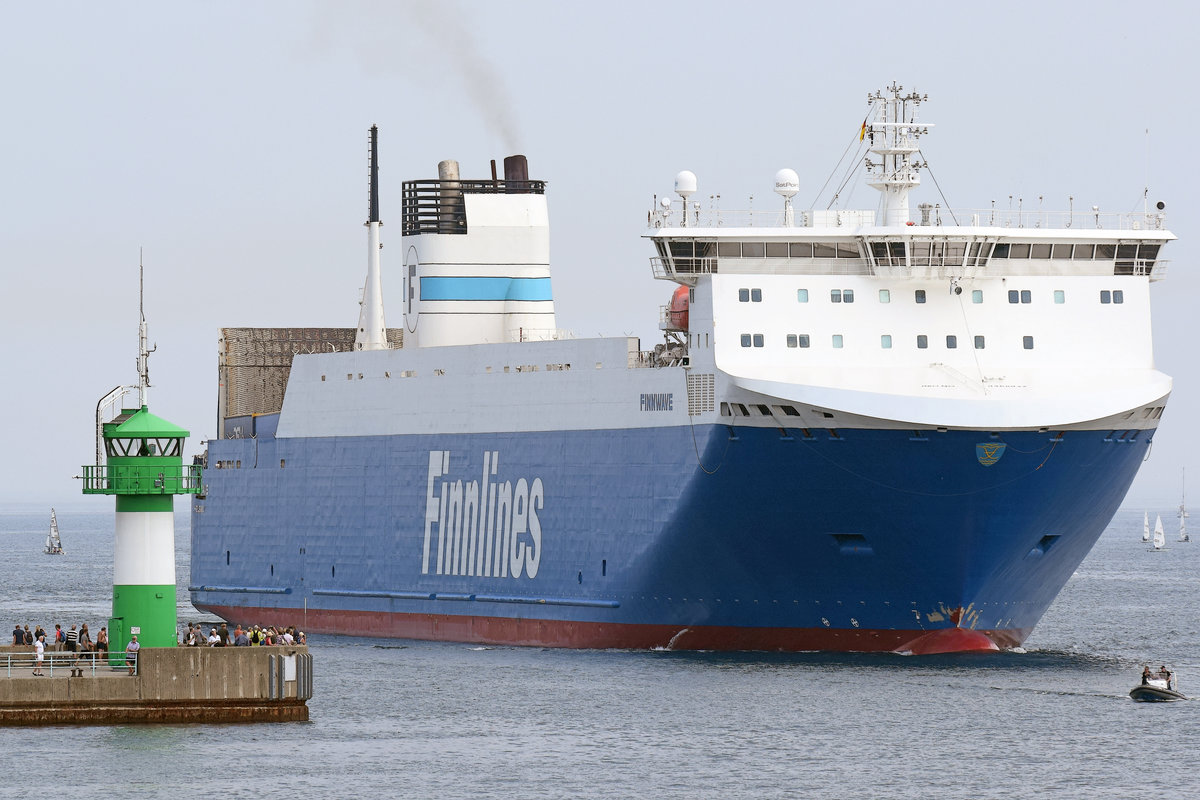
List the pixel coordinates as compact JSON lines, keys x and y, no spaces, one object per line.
{"x":77,"y":639}
{"x":250,"y":636}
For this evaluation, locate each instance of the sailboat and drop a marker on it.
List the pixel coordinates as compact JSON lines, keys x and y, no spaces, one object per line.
{"x":1183,"y":512}
{"x":53,"y":542}
{"x":1145,"y":527}
{"x":1160,"y":537}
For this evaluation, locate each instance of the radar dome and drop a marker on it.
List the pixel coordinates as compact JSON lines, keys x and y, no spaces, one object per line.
{"x":787,"y":183}
{"x":685,"y":184}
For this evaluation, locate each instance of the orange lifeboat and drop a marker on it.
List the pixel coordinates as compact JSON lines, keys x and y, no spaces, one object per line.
{"x":677,"y":312}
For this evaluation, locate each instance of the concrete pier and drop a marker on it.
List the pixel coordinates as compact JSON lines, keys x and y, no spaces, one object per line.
{"x":171,"y":685}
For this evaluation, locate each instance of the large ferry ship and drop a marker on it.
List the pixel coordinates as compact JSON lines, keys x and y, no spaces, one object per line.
{"x":863,"y":430}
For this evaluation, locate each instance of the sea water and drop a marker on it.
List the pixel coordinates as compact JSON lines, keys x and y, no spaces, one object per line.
{"x":393,"y":718}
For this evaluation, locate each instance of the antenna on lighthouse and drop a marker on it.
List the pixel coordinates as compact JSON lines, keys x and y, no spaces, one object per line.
{"x":143,"y":362}
{"x":372,"y":332}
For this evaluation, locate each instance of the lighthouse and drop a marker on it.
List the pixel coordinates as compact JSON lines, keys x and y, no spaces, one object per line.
{"x":139,"y":460}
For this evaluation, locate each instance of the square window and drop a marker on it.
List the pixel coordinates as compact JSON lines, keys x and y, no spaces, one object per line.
{"x":1040,"y":251}
{"x":885,"y":341}
{"x":1118,"y":296}
{"x":800,"y":249}
{"x":1027,"y":342}
{"x":804,"y":340}
{"x":1062,"y":251}
{"x":1084,"y":251}
{"x":753,"y":250}
{"x":821,"y":250}
{"x":777,"y":249}
{"x":1105,"y":296}
{"x":756,"y":295}
{"x":977,"y":295}
{"x":835,"y":295}
{"x":745,"y":340}
{"x":848,"y":295}
{"x":802,"y":295}
{"x":1060,"y":296}
{"x":920,"y":295}
{"x":922,"y":341}
{"x":1026,"y":296}
{"x":885,"y":296}
{"x":978,"y":342}
{"x":758,"y":340}
{"x":729,"y":249}
{"x":951,"y":342}
{"x":743,"y":295}
{"x":1019,"y":251}
{"x":1014,"y":296}
{"x":837,"y":341}
{"x":791,"y":340}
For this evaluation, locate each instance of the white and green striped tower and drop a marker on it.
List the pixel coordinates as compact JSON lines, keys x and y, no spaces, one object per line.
{"x":145,"y":471}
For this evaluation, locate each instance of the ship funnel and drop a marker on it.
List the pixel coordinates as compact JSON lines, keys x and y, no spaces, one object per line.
{"x":450,"y":196}
{"x":372,"y":331}
{"x":516,"y":174}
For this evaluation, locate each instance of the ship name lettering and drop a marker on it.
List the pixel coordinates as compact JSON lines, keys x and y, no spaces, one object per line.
{"x":484,"y":528}
{"x":658,"y":402}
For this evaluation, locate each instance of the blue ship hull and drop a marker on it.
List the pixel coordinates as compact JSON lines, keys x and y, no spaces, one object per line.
{"x":712,"y":537}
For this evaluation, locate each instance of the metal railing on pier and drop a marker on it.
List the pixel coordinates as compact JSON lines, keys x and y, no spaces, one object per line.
{"x":66,"y":663}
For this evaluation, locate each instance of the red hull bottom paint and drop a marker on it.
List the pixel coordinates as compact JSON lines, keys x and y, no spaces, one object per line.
{"x":605,"y":636}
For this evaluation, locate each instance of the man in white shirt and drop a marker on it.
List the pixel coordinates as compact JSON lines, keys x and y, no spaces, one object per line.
{"x":39,"y":649}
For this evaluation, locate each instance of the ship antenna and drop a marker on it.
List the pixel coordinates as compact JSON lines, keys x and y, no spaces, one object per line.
{"x":372,"y":330}
{"x":143,"y":351}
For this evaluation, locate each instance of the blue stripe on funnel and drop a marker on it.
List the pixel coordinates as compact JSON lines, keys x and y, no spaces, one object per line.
{"x":478,"y":288}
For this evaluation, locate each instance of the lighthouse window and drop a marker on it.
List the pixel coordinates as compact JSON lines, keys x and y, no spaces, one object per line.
{"x":800,"y":249}
{"x":920,"y":295}
{"x":885,"y":296}
{"x":802,"y":295}
{"x":824,"y":250}
{"x":837,"y":341}
{"x":977,"y":295}
{"x":885,"y":341}
{"x":1062,"y":251}
{"x":1027,"y":342}
{"x":745,"y":340}
{"x":951,"y":342}
{"x":922,"y":341}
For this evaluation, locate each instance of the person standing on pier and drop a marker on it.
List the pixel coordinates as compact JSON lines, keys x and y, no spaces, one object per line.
{"x":131,"y":651}
{"x":18,"y":635}
{"x":39,"y":649}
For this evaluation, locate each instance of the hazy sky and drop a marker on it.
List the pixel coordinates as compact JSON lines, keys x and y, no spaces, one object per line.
{"x":229,"y":140}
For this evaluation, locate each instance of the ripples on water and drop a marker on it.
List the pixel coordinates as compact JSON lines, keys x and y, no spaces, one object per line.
{"x":436,"y":720}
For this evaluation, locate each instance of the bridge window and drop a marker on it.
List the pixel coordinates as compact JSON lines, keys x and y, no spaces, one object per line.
{"x":1040,"y":251}
{"x":800,"y":249}
{"x":1085,"y":252}
{"x":1106,"y":251}
{"x":1062,"y":251}
{"x":753,"y":250}
{"x":1001,"y":250}
{"x":777,"y":250}
{"x":1018,"y":251}
{"x":824,"y":250}
{"x":729,"y":249}
{"x":847,"y":250}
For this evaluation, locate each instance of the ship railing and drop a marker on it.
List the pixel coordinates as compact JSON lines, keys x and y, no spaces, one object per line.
{"x":437,"y":206}
{"x":540,"y":334}
{"x":935,"y":217}
{"x":681,"y":269}
{"x":147,"y":480}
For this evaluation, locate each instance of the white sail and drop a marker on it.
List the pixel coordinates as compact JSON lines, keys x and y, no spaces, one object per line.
{"x":1160,"y":538}
{"x":53,"y":541}
{"x":1145,"y":526}
{"x":1183,"y":512}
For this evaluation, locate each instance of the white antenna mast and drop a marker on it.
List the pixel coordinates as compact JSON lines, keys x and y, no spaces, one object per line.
{"x":143,"y":352}
{"x":894,"y":134}
{"x":372,"y":330}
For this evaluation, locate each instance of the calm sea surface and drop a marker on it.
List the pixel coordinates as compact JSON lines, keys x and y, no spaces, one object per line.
{"x":431,"y":720}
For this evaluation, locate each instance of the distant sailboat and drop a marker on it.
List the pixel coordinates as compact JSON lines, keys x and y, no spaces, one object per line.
{"x":1145,"y":527}
{"x":1183,"y":512}
{"x":1160,"y":536}
{"x":53,"y":542}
